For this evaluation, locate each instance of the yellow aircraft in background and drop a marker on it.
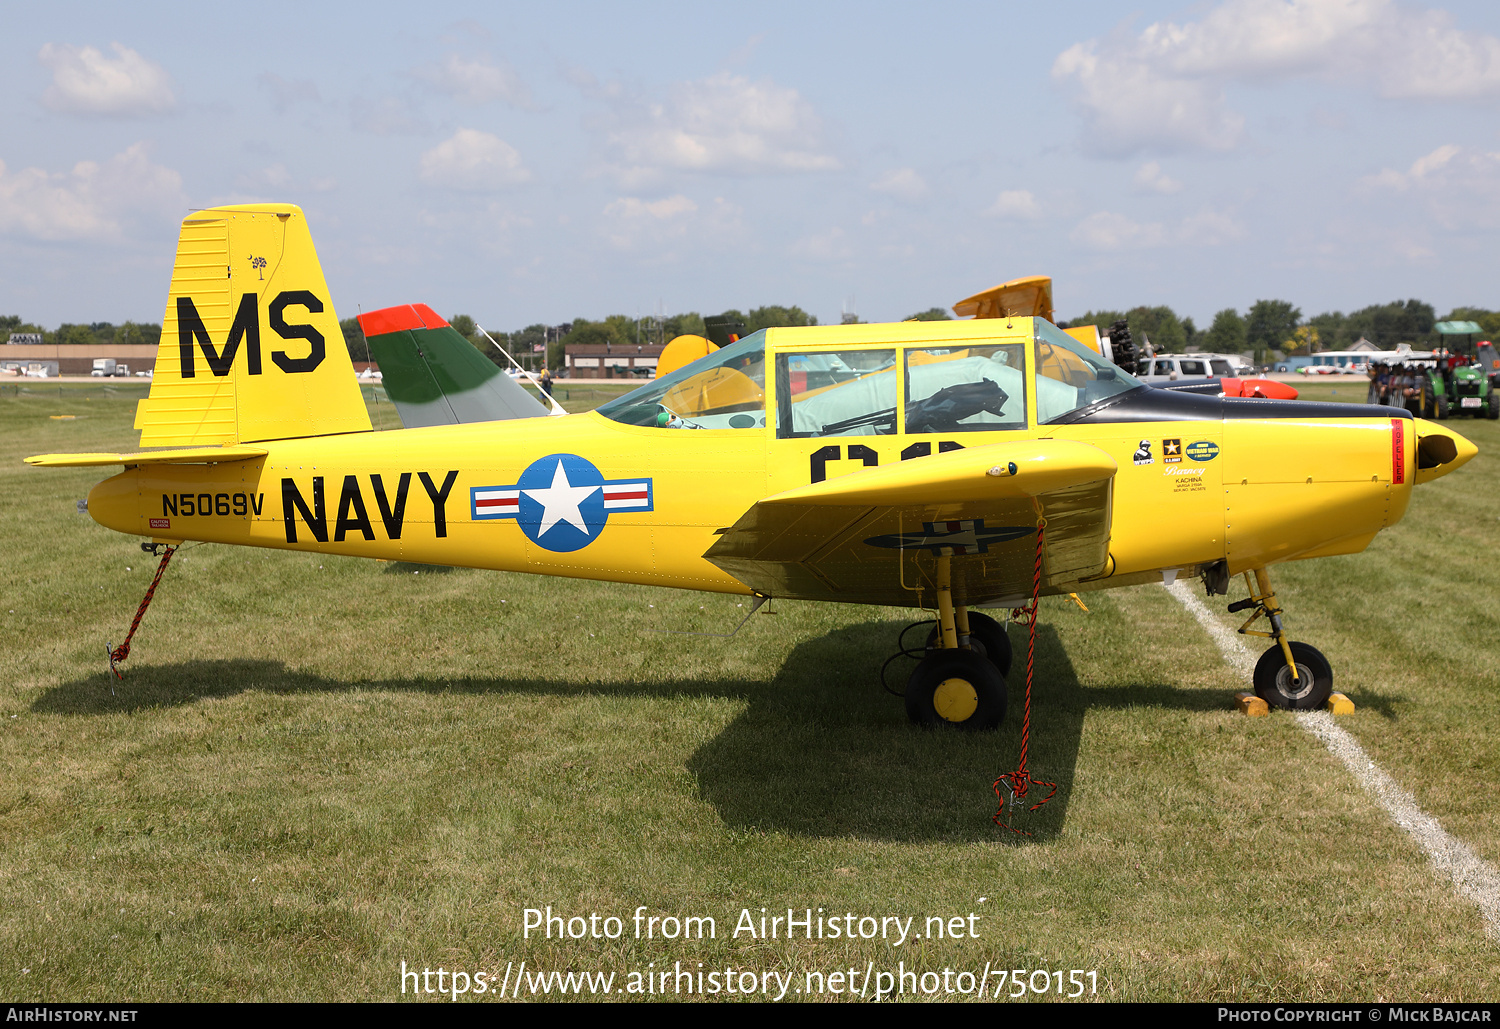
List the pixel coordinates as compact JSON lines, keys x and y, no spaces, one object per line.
{"x":940,"y":465}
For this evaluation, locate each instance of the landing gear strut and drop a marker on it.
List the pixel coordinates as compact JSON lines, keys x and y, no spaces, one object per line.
{"x":1293,"y":676}
{"x":960,"y":682}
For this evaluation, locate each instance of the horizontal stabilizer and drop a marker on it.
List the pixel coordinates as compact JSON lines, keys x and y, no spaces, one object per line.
{"x":434,"y":376}
{"x":1030,"y":297}
{"x":189,"y":455}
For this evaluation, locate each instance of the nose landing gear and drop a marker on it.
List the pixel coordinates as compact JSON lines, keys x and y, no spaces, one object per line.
{"x":1292,"y":676}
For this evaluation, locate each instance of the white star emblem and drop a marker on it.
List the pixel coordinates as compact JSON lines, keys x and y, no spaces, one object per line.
{"x":560,"y":502}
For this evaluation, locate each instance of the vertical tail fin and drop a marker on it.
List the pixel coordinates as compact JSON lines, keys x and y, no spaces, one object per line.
{"x":251,"y":348}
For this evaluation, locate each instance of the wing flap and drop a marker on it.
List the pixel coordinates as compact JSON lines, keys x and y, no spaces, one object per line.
{"x":876,"y":534}
{"x":188,"y":455}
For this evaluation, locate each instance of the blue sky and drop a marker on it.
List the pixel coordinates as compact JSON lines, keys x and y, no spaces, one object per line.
{"x":550,"y":161}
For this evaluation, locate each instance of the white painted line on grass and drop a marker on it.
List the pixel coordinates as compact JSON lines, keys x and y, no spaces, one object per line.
{"x":1474,"y":877}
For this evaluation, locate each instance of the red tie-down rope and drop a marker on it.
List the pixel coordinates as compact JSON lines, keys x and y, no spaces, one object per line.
{"x":120,"y":653}
{"x":1020,"y":781}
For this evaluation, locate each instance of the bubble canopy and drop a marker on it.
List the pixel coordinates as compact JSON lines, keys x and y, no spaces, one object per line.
{"x":724,"y":390}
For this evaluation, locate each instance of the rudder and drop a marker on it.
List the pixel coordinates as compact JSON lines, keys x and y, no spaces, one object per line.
{"x":255,"y":352}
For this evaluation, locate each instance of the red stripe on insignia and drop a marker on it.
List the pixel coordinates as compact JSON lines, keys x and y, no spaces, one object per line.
{"x":612,"y":494}
{"x":501,"y":502}
{"x":1398,"y":453}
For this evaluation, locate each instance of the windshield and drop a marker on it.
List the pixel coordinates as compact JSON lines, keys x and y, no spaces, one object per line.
{"x":724,"y":390}
{"x":1069,"y":375}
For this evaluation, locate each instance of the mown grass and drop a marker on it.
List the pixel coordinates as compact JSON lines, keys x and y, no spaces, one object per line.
{"x":318,"y":768}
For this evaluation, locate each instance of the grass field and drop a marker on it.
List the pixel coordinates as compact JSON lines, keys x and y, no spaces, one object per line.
{"x":318,"y":768}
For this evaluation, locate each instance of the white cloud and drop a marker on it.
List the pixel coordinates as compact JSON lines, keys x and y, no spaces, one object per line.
{"x":1458,"y":187}
{"x":286,"y":93}
{"x":1016,"y":205}
{"x":901,"y":184}
{"x":636,"y":209}
{"x":1209,"y":229}
{"x":274,"y":182}
{"x":476,"y":82}
{"x":93,"y":201}
{"x":1150,"y":179}
{"x":1164,"y":89}
{"x":388,"y":116}
{"x":631,"y":221}
{"x":725,"y":124}
{"x":473,"y":160}
{"x":1106,"y":230}
{"x":832,"y":245}
{"x":84,"y":81}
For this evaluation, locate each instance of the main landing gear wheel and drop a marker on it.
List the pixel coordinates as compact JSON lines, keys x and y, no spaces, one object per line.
{"x":957,"y":688}
{"x":987,"y":637}
{"x":1307,"y":692}
{"x":995,"y":639}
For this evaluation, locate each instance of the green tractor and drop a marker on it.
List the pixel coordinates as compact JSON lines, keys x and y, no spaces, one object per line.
{"x":1470,"y":392}
{"x":1466,"y":385}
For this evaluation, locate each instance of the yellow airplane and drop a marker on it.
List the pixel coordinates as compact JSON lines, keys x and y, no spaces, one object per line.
{"x":947,"y":466}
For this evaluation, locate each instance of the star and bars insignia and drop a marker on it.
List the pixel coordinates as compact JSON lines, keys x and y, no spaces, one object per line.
{"x":562,"y":502}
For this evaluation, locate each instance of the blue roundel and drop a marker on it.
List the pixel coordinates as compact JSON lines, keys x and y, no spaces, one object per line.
{"x":561,"y":502}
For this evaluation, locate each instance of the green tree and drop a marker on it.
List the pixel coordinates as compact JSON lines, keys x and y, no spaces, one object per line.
{"x":932,"y":314}
{"x":1333,"y":330}
{"x":148,"y":333}
{"x":1103,"y":319}
{"x":73,"y":335}
{"x":1192,"y":338}
{"x":1385,"y":325}
{"x":774,"y":316}
{"x":354,"y":339}
{"x":466,"y":326}
{"x":1303,"y":341}
{"x":1488,"y":320}
{"x":1160,"y":325}
{"x":1270,"y":323}
{"x":687,"y":324}
{"x":1227,"y":333}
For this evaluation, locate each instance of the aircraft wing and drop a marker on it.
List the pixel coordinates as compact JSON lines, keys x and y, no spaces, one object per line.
{"x":875,"y":534}
{"x":434,"y":376}
{"x":187,"y":455}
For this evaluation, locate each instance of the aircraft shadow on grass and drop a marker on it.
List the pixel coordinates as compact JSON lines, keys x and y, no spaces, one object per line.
{"x":820,"y":750}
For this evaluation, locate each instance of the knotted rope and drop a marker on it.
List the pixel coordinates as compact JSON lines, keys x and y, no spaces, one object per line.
{"x":120,"y":653}
{"x":1019,"y":782}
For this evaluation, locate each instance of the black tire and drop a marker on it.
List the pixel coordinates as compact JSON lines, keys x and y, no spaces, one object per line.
{"x":1274,"y":683}
{"x":1442,"y":408}
{"x":987,"y":637}
{"x":956,"y":688}
{"x":995,"y":639}
{"x":1492,"y":406}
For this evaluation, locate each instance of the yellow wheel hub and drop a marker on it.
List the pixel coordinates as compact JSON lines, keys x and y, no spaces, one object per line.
{"x":955,"y":700}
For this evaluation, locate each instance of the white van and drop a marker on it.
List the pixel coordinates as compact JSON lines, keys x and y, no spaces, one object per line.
{"x":1170,"y":367}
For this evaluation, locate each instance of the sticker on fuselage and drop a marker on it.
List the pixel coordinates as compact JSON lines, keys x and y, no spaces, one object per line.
{"x":1171,"y":451}
{"x":953,"y":539}
{"x":1143,"y":453}
{"x":1202,"y":450}
{"x":561,"y":502}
